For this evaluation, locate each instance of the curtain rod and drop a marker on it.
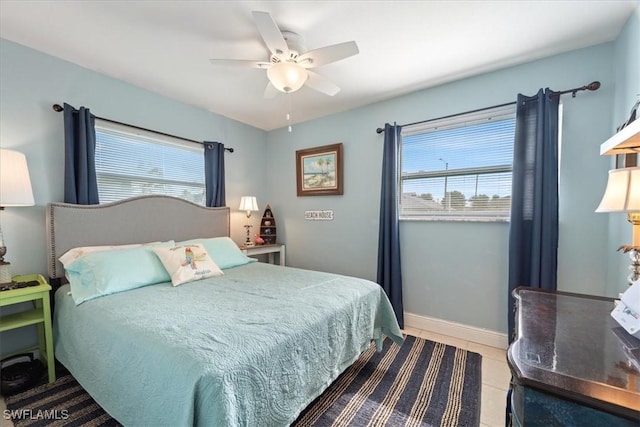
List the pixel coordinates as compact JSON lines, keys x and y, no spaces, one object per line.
{"x":595,"y":85}
{"x":59,"y":108}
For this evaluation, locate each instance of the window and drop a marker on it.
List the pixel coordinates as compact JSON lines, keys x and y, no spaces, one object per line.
{"x":458,"y":168}
{"x":131,"y":162}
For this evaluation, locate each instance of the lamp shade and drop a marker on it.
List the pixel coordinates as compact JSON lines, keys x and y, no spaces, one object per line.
{"x":15,"y":184}
{"x":623,"y":191}
{"x":287,"y":76}
{"x":248,"y":203}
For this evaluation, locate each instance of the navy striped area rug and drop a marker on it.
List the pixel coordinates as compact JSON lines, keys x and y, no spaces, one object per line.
{"x":420,"y":383}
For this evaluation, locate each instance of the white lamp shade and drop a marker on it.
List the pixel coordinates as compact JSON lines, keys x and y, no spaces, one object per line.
{"x":287,"y":76}
{"x":623,"y":191}
{"x":248,"y":203}
{"x":15,"y":184}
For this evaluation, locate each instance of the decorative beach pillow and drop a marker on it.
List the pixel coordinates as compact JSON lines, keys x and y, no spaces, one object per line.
{"x":186,"y":263}
{"x":223,"y":251}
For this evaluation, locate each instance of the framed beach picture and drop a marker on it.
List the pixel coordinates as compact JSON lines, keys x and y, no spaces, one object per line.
{"x":319,"y":171}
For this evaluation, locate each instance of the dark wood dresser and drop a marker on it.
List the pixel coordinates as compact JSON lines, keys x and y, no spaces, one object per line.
{"x":571,"y":363}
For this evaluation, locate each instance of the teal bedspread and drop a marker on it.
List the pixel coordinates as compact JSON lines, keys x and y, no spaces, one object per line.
{"x":251,"y":348}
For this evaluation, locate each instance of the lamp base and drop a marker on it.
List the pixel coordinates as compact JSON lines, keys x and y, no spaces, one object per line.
{"x":5,"y":273}
{"x":248,"y":242}
{"x":634,"y":267}
{"x":634,"y":219}
{"x":634,"y":254}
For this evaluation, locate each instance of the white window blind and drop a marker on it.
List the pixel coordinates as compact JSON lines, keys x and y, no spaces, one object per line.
{"x":458,"y":168}
{"x":131,"y":162}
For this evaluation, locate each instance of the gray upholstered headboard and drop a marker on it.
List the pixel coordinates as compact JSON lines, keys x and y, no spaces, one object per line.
{"x":135,"y":220}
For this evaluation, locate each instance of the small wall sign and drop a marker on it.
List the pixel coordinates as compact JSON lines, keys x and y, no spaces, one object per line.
{"x":318,"y":215}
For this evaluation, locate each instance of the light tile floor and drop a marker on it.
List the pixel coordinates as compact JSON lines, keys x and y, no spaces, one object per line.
{"x":495,"y":377}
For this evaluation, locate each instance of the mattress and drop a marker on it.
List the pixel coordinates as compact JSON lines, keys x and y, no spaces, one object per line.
{"x":252,"y":347}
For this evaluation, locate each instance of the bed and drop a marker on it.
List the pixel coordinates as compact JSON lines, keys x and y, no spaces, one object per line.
{"x":253,"y":346}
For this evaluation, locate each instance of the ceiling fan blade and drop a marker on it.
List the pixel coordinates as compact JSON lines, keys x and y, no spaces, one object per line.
{"x":270,"y":91}
{"x":321,"y":84}
{"x":270,"y":33}
{"x":328,"y":54}
{"x":246,"y":63}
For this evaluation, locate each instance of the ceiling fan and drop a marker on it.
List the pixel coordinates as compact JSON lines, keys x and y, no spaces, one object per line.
{"x":288,"y":66}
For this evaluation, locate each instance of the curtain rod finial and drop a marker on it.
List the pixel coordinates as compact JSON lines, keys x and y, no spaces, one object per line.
{"x":57,"y":107}
{"x":379,"y":130}
{"x":595,"y":85}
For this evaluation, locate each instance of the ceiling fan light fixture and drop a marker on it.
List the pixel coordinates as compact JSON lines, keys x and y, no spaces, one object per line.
{"x":287,"y":76}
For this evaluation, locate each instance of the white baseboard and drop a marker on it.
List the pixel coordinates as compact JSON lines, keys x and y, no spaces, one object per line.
{"x":457,"y":330}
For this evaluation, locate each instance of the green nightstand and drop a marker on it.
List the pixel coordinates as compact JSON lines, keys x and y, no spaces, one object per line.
{"x":40,"y":315}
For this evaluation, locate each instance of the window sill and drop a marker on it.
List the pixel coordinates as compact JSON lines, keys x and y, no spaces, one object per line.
{"x":445,"y":219}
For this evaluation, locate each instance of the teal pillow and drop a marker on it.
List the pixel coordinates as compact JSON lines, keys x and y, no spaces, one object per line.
{"x":103,"y":273}
{"x":223,"y":251}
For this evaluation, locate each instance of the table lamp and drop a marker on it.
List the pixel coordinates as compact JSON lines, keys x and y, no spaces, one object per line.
{"x":15,"y":190}
{"x":623,"y":195}
{"x":248,"y":204}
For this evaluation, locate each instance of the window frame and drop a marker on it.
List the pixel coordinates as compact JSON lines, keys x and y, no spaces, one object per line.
{"x":109,"y":127}
{"x":502,"y":112}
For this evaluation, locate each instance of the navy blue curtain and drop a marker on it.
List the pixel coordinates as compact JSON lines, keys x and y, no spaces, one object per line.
{"x":533,"y":234}
{"x":80,"y":183}
{"x":214,"y":174}
{"x":389,"y":271}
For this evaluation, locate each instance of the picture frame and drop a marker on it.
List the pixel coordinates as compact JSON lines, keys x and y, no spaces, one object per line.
{"x":319,"y":171}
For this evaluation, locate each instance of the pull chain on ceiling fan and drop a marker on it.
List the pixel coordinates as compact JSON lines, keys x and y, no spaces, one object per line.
{"x":288,"y":67}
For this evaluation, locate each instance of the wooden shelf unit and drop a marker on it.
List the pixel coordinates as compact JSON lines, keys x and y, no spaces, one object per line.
{"x":268,"y":229}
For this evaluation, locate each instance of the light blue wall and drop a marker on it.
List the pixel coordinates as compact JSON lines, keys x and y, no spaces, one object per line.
{"x":626,"y":64}
{"x":452,"y":271}
{"x":30,"y":82}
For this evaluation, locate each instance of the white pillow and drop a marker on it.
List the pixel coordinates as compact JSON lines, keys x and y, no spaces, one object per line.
{"x":187,"y":263}
{"x":73,"y":254}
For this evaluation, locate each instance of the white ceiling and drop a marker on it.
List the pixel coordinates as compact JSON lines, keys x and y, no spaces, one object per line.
{"x":164,"y":46}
